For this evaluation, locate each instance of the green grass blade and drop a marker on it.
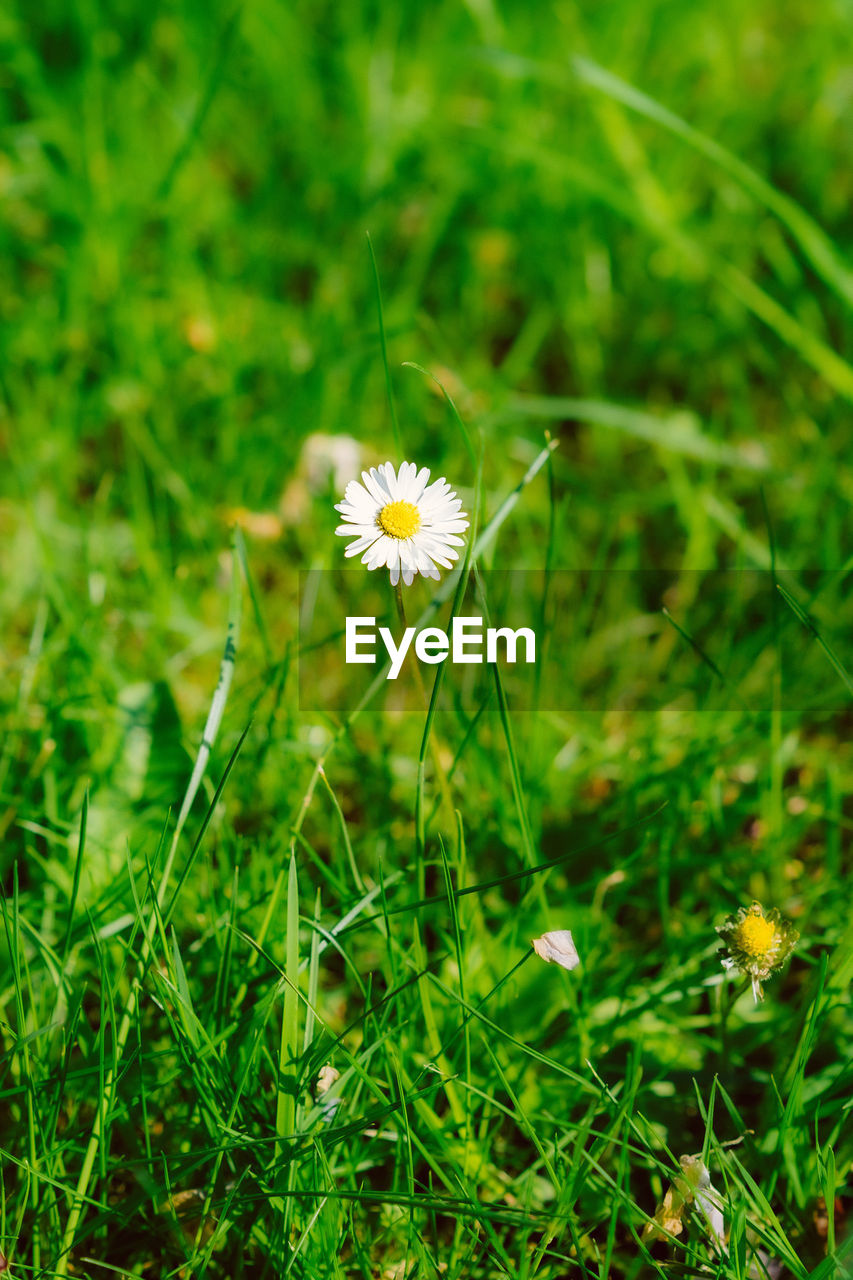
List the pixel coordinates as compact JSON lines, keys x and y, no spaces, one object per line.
{"x":395,"y":426}
{"x":812,"y":239}
{"x":128,"y":1015}
{"x":812,"y":626}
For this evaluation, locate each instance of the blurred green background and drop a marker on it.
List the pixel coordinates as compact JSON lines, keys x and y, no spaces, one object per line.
{"x":621,"y":223}
{"x":186,"y":290}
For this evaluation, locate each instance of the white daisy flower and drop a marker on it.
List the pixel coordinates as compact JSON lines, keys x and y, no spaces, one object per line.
{"x":401,"y":523}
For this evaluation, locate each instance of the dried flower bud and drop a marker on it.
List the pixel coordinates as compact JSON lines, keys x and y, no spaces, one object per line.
{"x":558,"y":947}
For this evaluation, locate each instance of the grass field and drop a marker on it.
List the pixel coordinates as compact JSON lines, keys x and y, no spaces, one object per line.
{"x":268,"y":1001}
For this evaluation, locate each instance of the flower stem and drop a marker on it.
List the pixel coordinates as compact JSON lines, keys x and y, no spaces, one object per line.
{"x":401,"y":613}
{"x":435,"y":751}
{"x":726,"y":1003}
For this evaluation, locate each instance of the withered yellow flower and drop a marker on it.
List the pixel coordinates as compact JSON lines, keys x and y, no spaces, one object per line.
{"x":757,"y":943}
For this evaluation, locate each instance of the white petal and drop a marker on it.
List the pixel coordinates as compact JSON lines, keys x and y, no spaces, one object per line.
{"x":445,"y":564}
{"x":362,"y":511}
{"x":442,"y":510}
{"x":360,"y":543}
{"x":447,"y":526}
{"x":357,"y":494}
{"x":409,"y":550}
{"x":438,"y":551}
{"x":390,"y":480}
{"x":408,"y":471}
{"x":375,"y":555}
{"x":357,"y":530}
{"x":392,"y":559}
{"x":425,"y":564}
{"x":440,"y":559}
{"x":327,"y":1077}
{"x":436,"y":510}
{"x":438,"y":489}
{"x":558,"y":947}
{"x":446,"y":539}
{"x":418,"y":485}
{"x":375,"y":484}
{"x":707,"y":1197}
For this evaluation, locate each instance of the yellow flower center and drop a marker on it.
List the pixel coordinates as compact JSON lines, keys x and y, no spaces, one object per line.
{"x":755,"y":935}
{"x":399,"y":519}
